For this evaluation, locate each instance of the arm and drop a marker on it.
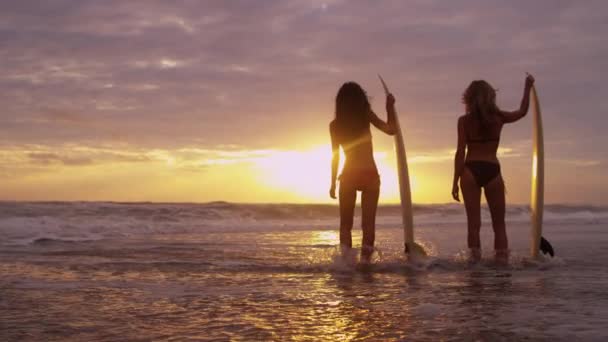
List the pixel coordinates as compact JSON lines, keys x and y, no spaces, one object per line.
{"x":459,"y":158}
{"x":389,"y":127}
{"x":513,"y":116}
{"x":335,"y":160}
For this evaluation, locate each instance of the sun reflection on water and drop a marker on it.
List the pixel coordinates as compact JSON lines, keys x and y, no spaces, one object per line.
{"x":325,"y":237}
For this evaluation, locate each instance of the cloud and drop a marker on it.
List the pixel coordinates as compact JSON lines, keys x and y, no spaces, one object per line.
{"x":45,"y":158}
{"x":193,"y":67}
{"x":577,"y":162}
{"x":448,"y":155}
{"x":62,"y":116}
{"x":40,"y":156}
{"x":159,"y":75}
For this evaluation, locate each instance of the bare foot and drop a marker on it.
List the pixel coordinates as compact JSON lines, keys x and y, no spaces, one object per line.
{"x":366,"y":254}
{"x":474,"y":255}
{"x":502,"y":257}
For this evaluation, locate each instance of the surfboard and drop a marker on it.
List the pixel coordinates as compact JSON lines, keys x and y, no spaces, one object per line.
{"x":538,"y":242}
{"x":405,"y":193}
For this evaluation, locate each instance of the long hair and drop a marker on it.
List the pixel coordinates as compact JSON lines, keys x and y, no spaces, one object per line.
{"x":480,"y":101}
{"x":352,"y":109}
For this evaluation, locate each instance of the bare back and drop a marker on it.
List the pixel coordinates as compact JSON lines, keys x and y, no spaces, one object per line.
{"x":358,"y":151}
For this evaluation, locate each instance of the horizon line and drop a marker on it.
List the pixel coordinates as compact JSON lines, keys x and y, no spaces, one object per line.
{"x":2,"y":201}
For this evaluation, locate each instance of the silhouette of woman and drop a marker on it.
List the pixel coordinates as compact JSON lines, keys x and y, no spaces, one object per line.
{"x":479,"y":134}
{"x":351,"y":130}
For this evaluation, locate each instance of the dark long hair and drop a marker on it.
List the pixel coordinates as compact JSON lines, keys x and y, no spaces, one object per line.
{"x":352,"y":109}
{"x":480,"y":101}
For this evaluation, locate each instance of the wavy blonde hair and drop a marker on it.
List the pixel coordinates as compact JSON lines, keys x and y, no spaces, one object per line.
{"x":480,"y":101}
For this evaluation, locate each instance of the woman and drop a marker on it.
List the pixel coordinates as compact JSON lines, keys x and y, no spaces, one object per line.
{"x":351,"y":130}
{"x":479,"y":133}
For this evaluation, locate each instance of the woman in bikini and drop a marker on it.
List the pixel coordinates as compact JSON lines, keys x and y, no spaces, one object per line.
{"x":479,"y":135}
{"x":351,"y":130}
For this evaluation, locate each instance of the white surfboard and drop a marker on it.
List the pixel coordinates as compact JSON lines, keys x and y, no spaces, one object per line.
{"x":538,"y":243}
{"x":411,"y":247}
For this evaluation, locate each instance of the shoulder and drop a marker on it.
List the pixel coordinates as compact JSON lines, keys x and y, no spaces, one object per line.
{"x":501,"y":115}
{"x":463,"y":123}
{"x":463,"y":119}
{"x":333,"y":127}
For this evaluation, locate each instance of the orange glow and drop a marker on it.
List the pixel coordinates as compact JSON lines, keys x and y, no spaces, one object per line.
{"x":200,"y":175}
{"x":307,"y":174}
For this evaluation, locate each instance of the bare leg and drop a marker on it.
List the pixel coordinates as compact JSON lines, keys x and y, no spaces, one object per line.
{"x":471,"y":192}
{"x":495,"y":196}
{"x":348,"y":197}
{"x":369,"y":204}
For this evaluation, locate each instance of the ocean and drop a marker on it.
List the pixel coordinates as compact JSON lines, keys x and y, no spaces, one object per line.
{"x":101,"y":271}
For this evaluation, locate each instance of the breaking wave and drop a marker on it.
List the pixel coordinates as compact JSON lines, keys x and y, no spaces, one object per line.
{"x":27,"y":222}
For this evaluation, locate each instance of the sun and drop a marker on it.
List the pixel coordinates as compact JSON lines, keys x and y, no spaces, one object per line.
{"x":307,"y":173}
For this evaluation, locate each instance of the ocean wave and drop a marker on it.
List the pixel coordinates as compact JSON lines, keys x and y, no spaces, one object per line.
{"x":26,"y":222}
{"x":227,"y":210}
{"x":331,"y":263}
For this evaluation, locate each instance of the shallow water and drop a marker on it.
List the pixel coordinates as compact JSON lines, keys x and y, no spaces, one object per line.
{"x":106,"y":272}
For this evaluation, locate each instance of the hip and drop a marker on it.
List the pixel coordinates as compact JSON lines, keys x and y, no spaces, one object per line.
{"x":360,"y":179}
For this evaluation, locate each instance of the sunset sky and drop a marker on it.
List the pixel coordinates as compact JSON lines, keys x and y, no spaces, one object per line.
{"x":197,"y":101}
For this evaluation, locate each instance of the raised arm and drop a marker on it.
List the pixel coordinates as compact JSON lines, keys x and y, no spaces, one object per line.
{"x":513,"y":116}
{"x":335,"y":159}
{"x":389,"y":127}
{"x":459,"y":158}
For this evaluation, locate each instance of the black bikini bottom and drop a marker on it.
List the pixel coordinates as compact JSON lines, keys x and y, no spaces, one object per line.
{"x":483,"y":171}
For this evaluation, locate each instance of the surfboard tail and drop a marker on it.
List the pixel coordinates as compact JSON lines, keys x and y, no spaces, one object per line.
{"x":546,"y":247}
{"x":417,"y":249}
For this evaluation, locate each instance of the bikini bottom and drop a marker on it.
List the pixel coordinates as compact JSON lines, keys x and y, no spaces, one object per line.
{"x":360,"y":179}
{"x":483,"y":171}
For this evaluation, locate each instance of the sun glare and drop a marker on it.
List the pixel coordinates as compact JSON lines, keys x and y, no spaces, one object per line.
{"x":307,"y":173}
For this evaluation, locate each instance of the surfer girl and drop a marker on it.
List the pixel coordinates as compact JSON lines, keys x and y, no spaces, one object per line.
{"x":351,"y":130}
{"x":476,"y":164}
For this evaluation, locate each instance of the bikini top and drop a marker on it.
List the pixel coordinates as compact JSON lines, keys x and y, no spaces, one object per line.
{"x":483,"y":140}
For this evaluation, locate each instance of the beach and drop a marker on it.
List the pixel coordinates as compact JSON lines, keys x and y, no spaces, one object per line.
{"x":174,"y":170}
{"x":96,"y":271}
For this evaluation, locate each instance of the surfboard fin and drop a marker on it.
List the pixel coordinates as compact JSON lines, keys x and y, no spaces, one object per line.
{"x":546,"y":247}
{"x":417,"y":249}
